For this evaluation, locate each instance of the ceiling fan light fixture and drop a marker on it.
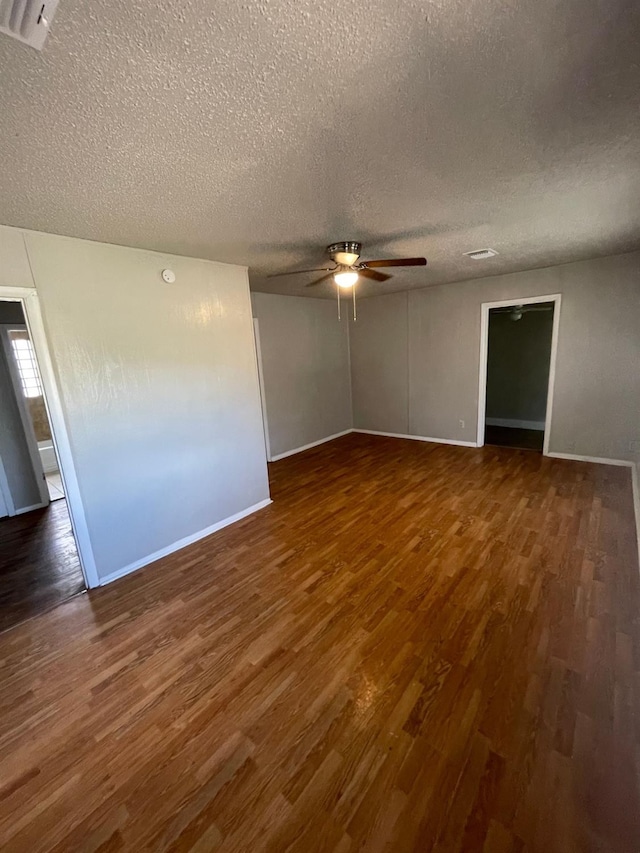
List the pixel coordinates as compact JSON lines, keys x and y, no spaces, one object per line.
{"x":346,"y":278}
{"x":346,"y":253}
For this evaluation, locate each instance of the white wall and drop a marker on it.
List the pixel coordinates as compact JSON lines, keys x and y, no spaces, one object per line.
{"x":415,"y":356}
{"x":305,"y":362}
{"x":158,"y":384}
{"x":379,"y":341}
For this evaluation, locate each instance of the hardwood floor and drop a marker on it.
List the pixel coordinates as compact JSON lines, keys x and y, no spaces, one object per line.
{"x":414,"y":648}
{"x":39,"y":564}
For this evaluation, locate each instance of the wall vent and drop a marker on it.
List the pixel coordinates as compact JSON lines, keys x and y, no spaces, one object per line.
{"x":27,"y":20}
{"x":481,"y":254}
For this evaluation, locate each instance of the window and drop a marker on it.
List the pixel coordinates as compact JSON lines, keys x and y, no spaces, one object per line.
{"x":26,"y":361}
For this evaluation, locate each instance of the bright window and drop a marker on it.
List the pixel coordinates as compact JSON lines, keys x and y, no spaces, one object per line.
{"x":26,"y":362}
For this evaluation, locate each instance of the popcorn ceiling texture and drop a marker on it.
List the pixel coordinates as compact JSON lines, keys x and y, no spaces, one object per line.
{"x":258,"y":132}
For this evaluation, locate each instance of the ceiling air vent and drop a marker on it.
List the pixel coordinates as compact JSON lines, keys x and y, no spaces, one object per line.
{"x":481,"y":254}
{"x":27,"y":20}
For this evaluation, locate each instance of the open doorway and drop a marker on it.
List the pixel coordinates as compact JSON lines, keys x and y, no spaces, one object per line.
{"x":517,"y":369}
{"x":39,"y":560}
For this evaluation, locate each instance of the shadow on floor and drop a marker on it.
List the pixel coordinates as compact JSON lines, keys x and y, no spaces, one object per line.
{"x":523,"y":439}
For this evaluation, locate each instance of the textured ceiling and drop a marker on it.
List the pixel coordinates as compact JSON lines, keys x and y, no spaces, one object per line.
{"x":258,"y":132}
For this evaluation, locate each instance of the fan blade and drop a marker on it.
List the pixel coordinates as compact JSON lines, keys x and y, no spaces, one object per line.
{"x":297,"y":272}
{"x":397,"y":262}
{"x":318,"y":280}
{"x":373,"y":274}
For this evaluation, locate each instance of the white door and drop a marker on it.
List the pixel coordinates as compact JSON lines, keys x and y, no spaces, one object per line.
{"x":23,"y":470}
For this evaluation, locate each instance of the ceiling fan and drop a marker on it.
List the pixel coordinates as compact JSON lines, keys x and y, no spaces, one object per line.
{"x":516,"y":311}
{"x":348,"y":267}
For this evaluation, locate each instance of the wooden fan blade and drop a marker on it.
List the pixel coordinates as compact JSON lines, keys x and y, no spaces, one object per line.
{"x":373,"y":274}
{"x":398,"y":262}
{"x":318,"y":280}
{"x":297,"y":272}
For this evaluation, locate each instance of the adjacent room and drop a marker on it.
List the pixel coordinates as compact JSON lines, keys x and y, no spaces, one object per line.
{"x":319,"y":427}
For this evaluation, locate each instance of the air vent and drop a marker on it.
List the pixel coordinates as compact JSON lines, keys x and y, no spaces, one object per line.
{"x":481,"y":254}
{"x":27,"y":20}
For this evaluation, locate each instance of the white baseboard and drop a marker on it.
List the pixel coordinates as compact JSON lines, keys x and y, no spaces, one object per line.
{"x":515,"y":424}
{"x":624,"y":463}
{"x":182,"y":543}
{"x":418,"y":438}
{"x":309,"y":446}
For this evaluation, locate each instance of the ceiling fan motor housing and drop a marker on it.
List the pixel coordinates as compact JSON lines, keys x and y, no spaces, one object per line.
{"x":346,"y":253}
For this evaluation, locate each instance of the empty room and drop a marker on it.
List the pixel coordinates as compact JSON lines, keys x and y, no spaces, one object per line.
{"x":319,"y":426}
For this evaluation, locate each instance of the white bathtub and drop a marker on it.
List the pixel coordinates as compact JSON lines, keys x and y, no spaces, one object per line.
{"x":47,"y":456}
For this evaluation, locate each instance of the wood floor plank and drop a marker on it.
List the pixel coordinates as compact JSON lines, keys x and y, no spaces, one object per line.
{"x":414,"y":648}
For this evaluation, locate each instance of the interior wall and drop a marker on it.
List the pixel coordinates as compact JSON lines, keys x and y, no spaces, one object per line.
{"x":597,"y":385}
{"x":14,"y":449}
{"x":305,"y":364}
{"x":379,"y":365}
{"x":518,"y":366}
{"x":159,"y":389}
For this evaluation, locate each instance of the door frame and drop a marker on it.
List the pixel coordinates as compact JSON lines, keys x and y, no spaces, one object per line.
{"x":28,"y":297}
{"x":25,"y":417}
{"x":484,"y":352}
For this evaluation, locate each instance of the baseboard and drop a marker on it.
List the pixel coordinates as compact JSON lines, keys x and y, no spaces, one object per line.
{"x":418,"y":438}
{"x":515,"y":424}
{"x":182,"y":543}
{"x":309,"y":446}
{"x":598,"y":460}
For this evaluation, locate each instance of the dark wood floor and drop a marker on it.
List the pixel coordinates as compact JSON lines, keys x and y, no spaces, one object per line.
{"x":524,"y":439}
{"x":414,"y":648}
{"x":39,"y":564}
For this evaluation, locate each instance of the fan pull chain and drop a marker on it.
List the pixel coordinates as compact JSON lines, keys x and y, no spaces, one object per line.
{"x":338,"y":289}
{"x":354,"y":305}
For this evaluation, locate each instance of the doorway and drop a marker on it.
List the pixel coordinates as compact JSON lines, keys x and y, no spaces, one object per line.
{"x":40,"y":564}
{"x":517,"y":370}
